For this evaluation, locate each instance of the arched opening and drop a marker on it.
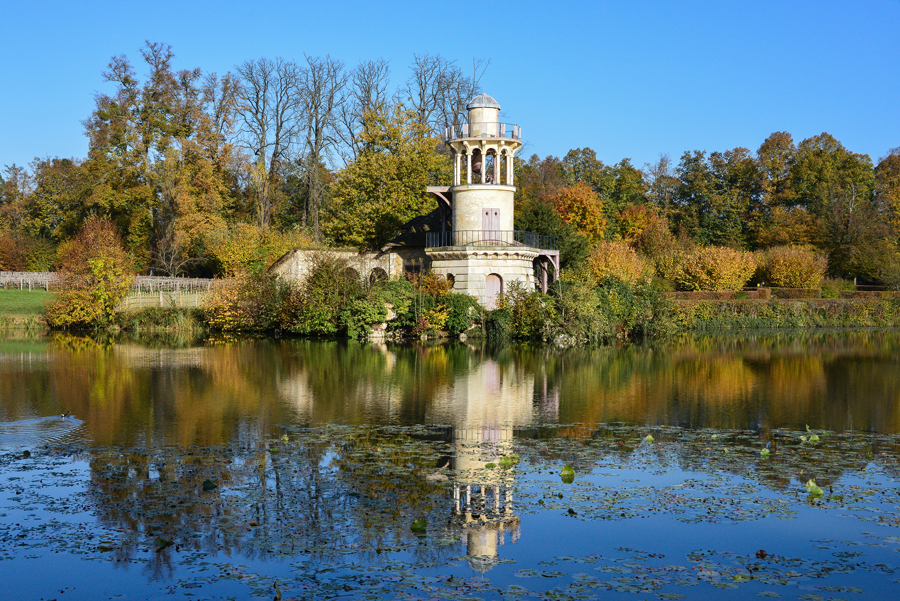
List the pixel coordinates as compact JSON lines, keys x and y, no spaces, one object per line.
{"x":351,"y":273}
{"x":452,"y":280}
{"x":493,"y":287}
{"x":376,"y":275}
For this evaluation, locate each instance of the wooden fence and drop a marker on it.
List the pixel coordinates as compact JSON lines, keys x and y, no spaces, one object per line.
{"x":142,"y":284}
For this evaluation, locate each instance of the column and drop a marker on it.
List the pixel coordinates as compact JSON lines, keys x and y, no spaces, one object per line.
{"x":509,"y":170}
{"x":469,"y":168}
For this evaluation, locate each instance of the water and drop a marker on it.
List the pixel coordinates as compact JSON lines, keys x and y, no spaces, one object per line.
{"x":323,"y":454}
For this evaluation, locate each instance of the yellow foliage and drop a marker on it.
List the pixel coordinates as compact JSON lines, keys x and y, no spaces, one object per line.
{"x":617,"y":259}
{"x":715,"y":268}
{"x":246,"y":247}
{"x":793,"y":267}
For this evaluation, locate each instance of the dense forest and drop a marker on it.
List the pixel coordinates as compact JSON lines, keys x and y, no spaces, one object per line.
{"x":209,"y":174}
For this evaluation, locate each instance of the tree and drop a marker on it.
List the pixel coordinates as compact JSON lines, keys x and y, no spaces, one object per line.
{"x":366,"y":92}
{"x":661,"y":184}
{"x":97,"y":274}
{"x":321,"y":87}
{"x":437,"y":91}
{"x":580,"y":207}
{"x":385,"y":186}
{"x":539,"y":216}
{"x":269,"y":105}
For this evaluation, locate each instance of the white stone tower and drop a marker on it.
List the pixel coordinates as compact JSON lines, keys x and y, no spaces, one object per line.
{"x":482,"y":253}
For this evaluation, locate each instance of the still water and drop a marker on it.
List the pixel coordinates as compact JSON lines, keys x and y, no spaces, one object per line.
{"x":223,"y":469}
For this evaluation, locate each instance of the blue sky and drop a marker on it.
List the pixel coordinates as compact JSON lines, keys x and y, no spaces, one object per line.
{"x":628,"y":79}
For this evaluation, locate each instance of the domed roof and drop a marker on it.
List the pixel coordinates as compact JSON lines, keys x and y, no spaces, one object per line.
{"x":483,"y":101}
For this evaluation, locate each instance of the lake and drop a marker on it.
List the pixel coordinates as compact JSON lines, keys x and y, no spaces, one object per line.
{"x":762,"y":464}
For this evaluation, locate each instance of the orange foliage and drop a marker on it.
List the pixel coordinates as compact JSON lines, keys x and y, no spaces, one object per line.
{"x":581,"y":207}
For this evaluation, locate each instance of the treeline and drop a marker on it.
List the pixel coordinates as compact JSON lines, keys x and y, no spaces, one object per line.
{"x":815,"y":196}
{"x":201,"y":172}
{"x":209,"y":174}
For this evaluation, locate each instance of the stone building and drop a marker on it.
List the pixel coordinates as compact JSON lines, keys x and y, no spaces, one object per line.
{"x":470,"y":238}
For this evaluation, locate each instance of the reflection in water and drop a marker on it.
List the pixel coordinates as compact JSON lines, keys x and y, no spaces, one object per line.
{"x":236,"y":393}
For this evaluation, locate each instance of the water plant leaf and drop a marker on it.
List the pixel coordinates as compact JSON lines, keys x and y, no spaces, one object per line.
{"x":419,"y":525}
{"x":209,"y":485}
{"x":649,"y":438}
{"x":813,"y":489}
{"x":490,"y":465}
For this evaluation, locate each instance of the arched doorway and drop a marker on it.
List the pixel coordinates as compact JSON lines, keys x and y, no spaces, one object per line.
{"x":493,"y":286}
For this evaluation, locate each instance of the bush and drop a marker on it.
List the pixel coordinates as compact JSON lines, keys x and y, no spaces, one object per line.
{"x":252,"y":302}
{"x":833,"y":288}
{"x":316,"y":307}
{"x":618,"y":260}
{"x":715,"y":268}
{"x":793,"y":267}
{"x":464,"y":313}
{"x":530,"y":311}
{"x":96,"y":275}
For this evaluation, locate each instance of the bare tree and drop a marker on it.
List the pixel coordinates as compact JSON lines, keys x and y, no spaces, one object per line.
{"x":270,"y":105}
{"x":366,"y":92}
{"x":322,"y":89}
{"x":438,"y":90}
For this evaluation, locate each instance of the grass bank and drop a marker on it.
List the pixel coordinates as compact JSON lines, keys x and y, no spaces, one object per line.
{"x":23,"y":309}
{"x":707,"y":315}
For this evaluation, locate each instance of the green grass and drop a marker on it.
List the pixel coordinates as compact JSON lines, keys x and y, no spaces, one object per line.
{"x":24,"y":302}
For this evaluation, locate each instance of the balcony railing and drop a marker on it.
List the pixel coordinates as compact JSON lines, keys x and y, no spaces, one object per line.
{"x":481,"y":238}
{"x":487,"y":129}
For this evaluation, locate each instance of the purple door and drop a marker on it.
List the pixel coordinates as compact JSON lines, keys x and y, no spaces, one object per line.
{"x":490,"y":224}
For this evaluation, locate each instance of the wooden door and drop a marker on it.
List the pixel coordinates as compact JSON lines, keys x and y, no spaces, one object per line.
{"x":490,"y":224}
{"x":493,"y":286}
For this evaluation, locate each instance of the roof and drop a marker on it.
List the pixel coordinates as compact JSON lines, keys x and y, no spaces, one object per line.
{"x":413,"y":231}
{"x":483,"y":101}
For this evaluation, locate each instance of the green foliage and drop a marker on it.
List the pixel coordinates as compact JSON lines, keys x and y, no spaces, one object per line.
{"x":530,"y":311}
{"x":833,"y":288}
{"x":538,"y":216}
{"x":385,"y":186}
{"x":317,"y":305}
{"x":362,"y":313}
{"x":96,"y":273}
{"x":464,"y":312}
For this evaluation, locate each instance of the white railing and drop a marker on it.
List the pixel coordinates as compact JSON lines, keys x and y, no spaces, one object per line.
{"x":485,"y":129}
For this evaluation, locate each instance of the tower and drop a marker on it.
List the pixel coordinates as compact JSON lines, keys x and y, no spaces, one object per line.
{"x":482,"y":252}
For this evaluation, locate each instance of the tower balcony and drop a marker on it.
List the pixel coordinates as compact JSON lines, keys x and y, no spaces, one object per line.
{"x":486,"y":129}
{"x":490,"y":239}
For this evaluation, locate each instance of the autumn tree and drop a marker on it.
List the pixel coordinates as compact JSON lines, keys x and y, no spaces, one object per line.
{"x":581,"y":207}
{"x":385,"y":186}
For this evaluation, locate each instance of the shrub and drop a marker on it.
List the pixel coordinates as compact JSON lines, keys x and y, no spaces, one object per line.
{"x":530,"y":311}
{"x":793,"y":267}
{"x":249,"y":302}
{"x":96,"y":274}
{"x":618,"y":260}
{"x":464,"y":311}
{"x":833,"y":288}
{"x":317,"y":305}
{"x":579,"y":310}
{"x":715,"y":268}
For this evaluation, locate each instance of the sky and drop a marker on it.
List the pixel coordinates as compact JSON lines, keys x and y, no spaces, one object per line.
{"x":630,"y":80}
